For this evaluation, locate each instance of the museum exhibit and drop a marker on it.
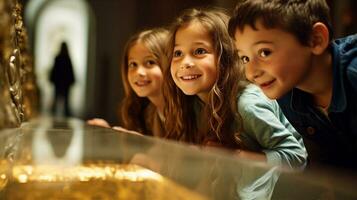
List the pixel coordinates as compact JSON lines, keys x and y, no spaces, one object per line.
{"x":73,"y":127}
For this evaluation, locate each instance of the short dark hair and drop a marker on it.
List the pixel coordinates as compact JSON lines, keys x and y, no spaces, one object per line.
{"x":294,"y":16}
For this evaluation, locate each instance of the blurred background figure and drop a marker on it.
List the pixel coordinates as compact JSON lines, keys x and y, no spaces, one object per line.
{"x":62,"y":77}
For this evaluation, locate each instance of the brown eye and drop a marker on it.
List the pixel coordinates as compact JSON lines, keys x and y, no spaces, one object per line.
{"x":150,"y":63}
{"x":244,"y":59}
{"x":264,"y":53}
{"x":177,"y":53}
{"x":132,"y":65}
{"x":200,"y":51}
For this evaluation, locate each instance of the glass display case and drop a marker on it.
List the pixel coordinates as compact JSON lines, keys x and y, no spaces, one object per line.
{"x":68,"y":159}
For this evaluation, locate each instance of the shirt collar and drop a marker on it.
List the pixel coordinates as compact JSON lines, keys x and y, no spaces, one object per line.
{"x":300,"y":101}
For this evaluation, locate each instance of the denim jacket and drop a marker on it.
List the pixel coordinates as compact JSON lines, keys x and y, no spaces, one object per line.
{"x":333,"y":139}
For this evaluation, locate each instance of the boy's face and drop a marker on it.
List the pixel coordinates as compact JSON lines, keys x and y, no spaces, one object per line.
{"x":273,"y":59}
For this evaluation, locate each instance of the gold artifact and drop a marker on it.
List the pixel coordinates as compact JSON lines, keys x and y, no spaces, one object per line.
{"x":90,"y":181}
{"x":18,"y":91}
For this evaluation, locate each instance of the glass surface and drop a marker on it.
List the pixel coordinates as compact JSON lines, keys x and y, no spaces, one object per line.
{"x":68,"y":159}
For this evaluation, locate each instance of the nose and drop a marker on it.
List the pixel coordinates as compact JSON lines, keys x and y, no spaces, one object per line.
{"x":187,"y":62}
{"x":141,"y":71}
{"x":252,"y":71}
{"x":186,"y":66}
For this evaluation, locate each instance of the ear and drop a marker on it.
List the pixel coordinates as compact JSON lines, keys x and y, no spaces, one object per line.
{"x":319,"y":38}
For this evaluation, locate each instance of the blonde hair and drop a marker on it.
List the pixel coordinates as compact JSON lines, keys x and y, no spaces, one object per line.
{"x":181,"y":118}
{"x":133,"y":107}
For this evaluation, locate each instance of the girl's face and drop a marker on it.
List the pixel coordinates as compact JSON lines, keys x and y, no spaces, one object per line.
{"x":194,"y":63}
{"x":144,"y":73}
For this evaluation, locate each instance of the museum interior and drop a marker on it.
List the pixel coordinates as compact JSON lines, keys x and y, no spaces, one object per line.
{"x":50,"y":150}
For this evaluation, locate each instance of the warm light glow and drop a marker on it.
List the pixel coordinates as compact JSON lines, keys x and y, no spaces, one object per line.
{"x":44,"y":173}
{"x":62,"y":20}
{"x":3,"y":176}
{"x":22,"y":178}
{"x":91,"y":181}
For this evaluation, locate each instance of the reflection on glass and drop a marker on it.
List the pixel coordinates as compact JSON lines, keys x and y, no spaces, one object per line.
{"x":92,"y":181}
{"x":4,"y":170}
{"x":62,"y":145}
{"x":67,"y":159}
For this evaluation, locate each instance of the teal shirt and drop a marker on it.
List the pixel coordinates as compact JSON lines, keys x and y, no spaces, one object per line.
{"x":266,"y":129}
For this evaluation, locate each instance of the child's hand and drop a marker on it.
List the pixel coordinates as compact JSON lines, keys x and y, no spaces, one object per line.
{"x":213,"y":144}
{"x":98,"y":122}
{"x":251,"y":155}
{"x":121,"y":129}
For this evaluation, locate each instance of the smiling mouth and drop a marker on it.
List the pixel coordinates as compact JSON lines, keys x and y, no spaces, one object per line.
{"x":267,"y":84}
{"x":190,"y":77}
{"x":142,"y":83}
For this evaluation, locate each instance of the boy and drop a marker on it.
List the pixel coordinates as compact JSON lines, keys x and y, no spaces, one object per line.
{"x":287,"y":50}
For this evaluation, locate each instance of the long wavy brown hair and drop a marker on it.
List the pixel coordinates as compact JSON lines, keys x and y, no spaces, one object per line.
{"x":184,"y":113}
{"x":132,"y":107}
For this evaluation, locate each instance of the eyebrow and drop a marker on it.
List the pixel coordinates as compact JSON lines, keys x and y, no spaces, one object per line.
{"x":146,"y":57}
{"x":196,"y":43}
{"x":199,"y":42}
{"x":262,"y":42}
{"x":259,"y":42}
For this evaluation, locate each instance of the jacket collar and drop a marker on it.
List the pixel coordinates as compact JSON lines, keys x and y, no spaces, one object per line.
{"x":338,"y":102}
{"x":301,"y":100}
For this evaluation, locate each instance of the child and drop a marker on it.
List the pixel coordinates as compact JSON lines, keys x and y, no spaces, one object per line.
{"x":288,"y":52}
{"x":204,"y":84}
{"x":142,"y":77}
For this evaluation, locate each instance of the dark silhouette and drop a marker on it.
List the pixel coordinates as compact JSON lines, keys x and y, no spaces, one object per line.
{"x":62,"y":77}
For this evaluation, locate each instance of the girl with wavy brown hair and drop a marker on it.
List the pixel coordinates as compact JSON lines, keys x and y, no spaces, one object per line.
{"x":209,"y":101}
{"x":141,"y":71}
